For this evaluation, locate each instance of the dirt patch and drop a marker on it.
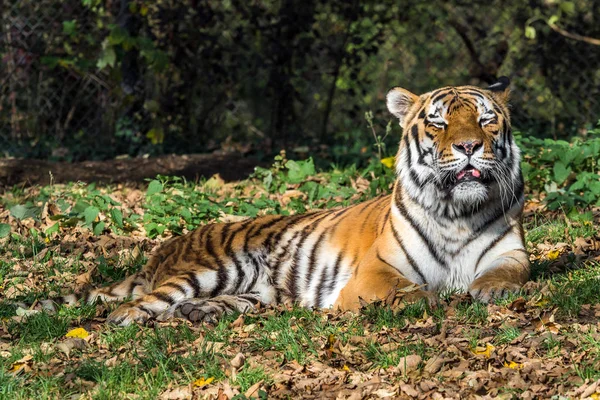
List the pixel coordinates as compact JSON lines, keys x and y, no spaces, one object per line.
{"x":191,"y":166}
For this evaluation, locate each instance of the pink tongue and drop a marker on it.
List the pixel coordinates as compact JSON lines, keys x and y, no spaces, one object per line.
{"x":474,"y":172}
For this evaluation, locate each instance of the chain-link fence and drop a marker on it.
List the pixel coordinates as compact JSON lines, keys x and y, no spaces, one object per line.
{"x":85,"y":78}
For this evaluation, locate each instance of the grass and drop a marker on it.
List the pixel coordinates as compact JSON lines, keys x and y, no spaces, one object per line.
{"x":101,"y":234}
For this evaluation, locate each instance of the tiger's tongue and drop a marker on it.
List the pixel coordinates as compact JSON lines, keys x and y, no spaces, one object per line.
{"x":474,"y":172}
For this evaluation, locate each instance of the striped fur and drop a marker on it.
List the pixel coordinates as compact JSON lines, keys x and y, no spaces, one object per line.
{"x":434,"y":230}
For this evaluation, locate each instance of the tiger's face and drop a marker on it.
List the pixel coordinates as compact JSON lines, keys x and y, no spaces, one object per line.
{"x":457,"y":140}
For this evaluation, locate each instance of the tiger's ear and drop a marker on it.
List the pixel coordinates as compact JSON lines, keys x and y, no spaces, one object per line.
{"x":399,"y":101}
{"x":500,"y":90}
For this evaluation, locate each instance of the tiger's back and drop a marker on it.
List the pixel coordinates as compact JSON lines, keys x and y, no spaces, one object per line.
{"x":452,"y":222}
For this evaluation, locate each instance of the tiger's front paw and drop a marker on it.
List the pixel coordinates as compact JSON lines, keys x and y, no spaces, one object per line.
{"x":127,"y":314}
{"x":412,"y":294}
{"x":493,"y":290}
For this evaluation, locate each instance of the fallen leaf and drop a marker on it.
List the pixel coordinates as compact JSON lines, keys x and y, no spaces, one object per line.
{"x":253,"y":389}
{"x":513,"y":365}
{"x":409,"y":363}
{"x":485,"y":351}
{"x":77,"y":333}
{"x":553,"y":254}
{"x":201,"y":382}
{"x":238,"y":361}
{"x":180,"y":393}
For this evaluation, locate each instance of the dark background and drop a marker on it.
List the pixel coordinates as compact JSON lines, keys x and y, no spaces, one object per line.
{"x":90,"y":79}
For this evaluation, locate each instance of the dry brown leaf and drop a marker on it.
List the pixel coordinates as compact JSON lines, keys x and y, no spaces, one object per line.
{"x":409,"y":363}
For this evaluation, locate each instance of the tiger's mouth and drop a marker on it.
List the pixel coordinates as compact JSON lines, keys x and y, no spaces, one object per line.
{"x":469,"y":173}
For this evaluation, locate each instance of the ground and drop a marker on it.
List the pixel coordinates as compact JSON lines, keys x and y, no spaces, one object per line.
{"x":541,"y":343}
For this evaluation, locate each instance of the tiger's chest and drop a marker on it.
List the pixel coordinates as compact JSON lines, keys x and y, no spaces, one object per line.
{"x":445,"y":254}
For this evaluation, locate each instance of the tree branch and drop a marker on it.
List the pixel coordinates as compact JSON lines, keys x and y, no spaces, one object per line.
{"x":574,"y":36}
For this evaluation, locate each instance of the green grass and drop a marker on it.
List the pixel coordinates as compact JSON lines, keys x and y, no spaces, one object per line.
{"x":582,"y":286}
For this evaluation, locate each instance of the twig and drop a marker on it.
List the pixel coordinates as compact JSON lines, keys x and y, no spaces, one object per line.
{"x":574,"y":36}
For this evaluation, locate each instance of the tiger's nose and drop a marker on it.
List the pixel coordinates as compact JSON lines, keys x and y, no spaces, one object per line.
{"x":467,"y":147}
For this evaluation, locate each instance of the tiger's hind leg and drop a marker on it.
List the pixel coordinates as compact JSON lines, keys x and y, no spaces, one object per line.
{"x":209,"y":310}
{"x":199,"y":283}
{"x":134,"y":286}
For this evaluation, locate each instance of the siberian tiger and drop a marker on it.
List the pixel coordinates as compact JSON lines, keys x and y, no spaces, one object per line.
{"x":452,"y":222}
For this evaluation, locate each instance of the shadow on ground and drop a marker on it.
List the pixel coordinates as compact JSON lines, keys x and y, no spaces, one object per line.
{"x":231,"y":167}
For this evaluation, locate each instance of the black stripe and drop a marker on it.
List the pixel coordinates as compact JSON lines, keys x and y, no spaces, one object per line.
{"x":336,"y":271}
{"x":418,"y":229}
{"x":293,"y":221}
{"x":222,"y":278}
{"x":491,"y":246}
{"x":385,"y":219}
{"x":257,"y":229}
{"x":472,"y":92}
{"x":256,"y":267}
{"x":411,"y":261}
{"x":146,"y":310}
{"x":339,"y":213}
{"x":229,"y":252}
{"x":278,"y":261}
{"x":292,"y":279}
{"x":192,"y":280}
{"x":162,"y":297}
{"x":312,"y":260}
{"x":175,"y":286}
{"x":318,"y":301}
{"x":366,"y":218}
{"x":408,"y":149}
{"x":440,"y":96}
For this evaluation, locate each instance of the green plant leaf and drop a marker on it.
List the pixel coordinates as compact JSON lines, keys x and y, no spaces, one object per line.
{"x":154,"y":187}
{"x":568,"y":7}
{"x":90,"y":214}
{"x":561,"y":173}
{"x":117,"y":217}
{"x":19,"y":211}
{"x":4,"y":230}
{"x":108,"y":57}
{"x":530,"y":32}
{"x":53,"y":229}
{"x":299,"y":170}
{"x":99,"y":228}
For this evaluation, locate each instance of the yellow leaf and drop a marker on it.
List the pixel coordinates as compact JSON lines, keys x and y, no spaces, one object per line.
{"x":513,"y":365}
{"x":203,"y":382}
{"x":345,"y":368}
{"x":16,"y":367}
{"x":595,"y":396}
{"x":388,"y":161}
{"x":542,"y":303}
{"x":487,"y":352}
{"x":553,"y":255}
{"x":78,"y":333}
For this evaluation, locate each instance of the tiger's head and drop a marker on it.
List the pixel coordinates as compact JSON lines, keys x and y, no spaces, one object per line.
{"x":457,"y":145}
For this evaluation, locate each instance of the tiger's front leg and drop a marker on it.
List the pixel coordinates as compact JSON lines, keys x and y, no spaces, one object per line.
{"x":507,"y":274}
{"x":374,"y":280}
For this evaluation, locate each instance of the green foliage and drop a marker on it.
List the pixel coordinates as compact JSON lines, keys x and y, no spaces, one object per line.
{"x":566,"y":171}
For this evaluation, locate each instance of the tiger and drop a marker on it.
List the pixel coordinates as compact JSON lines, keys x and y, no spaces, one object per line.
{"x":451,"y":223}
